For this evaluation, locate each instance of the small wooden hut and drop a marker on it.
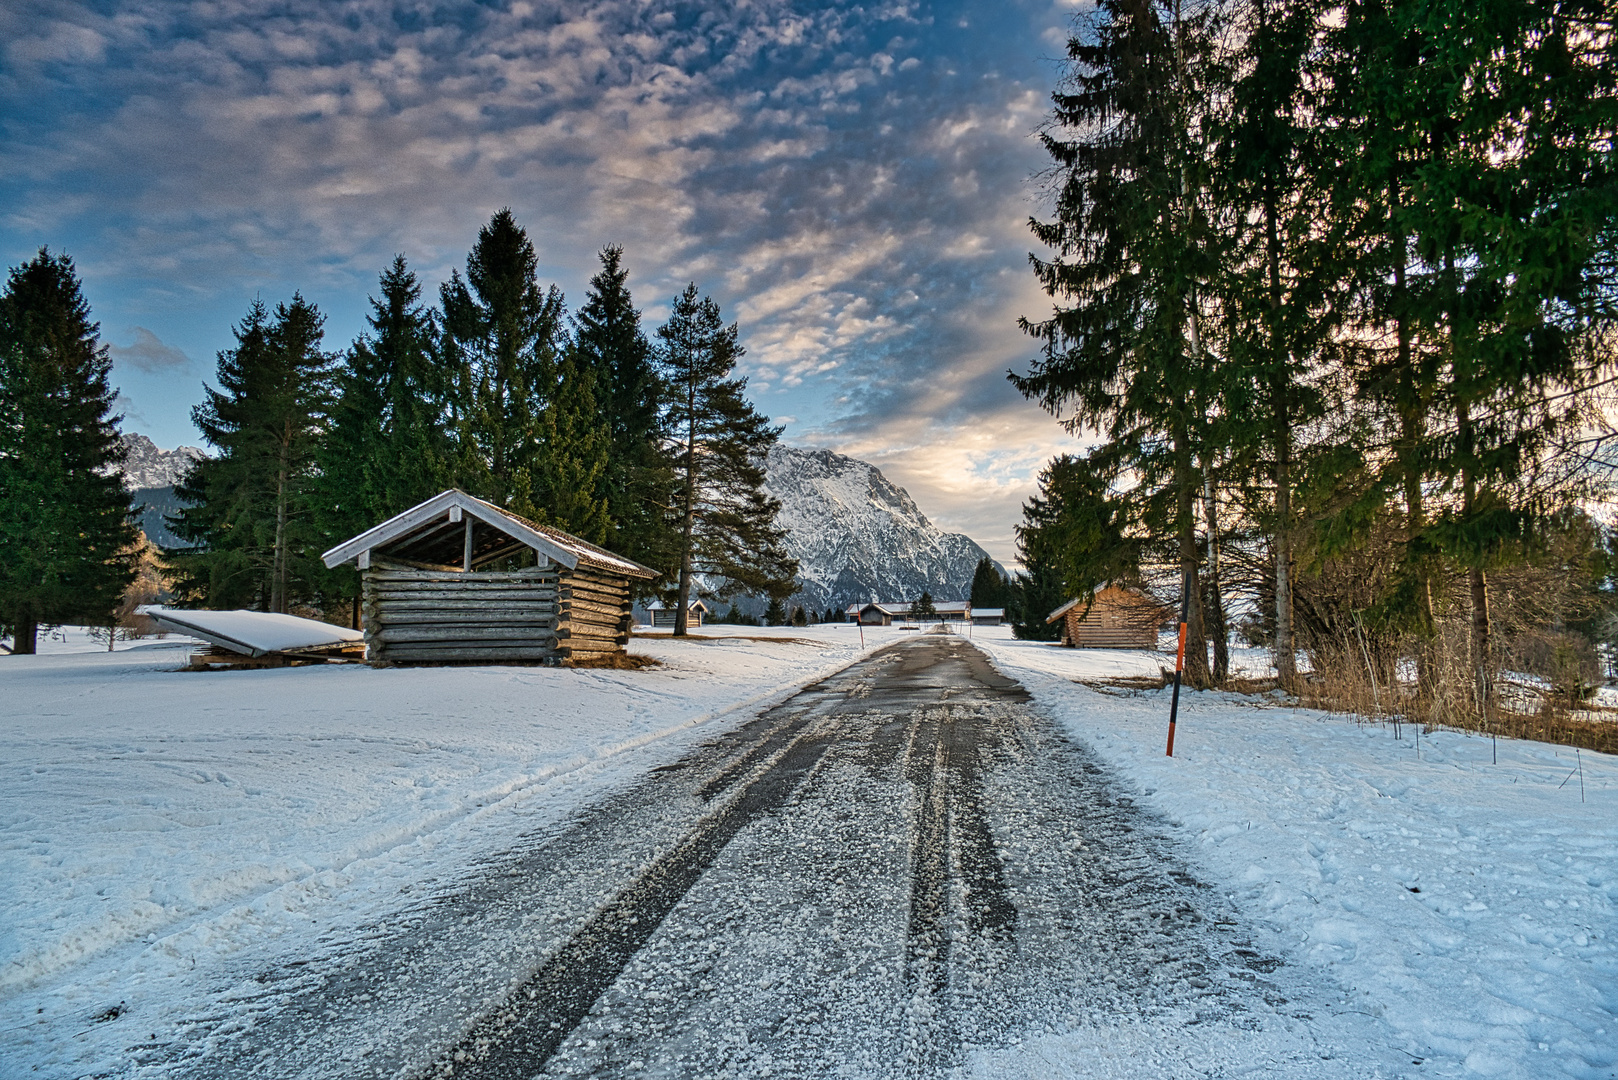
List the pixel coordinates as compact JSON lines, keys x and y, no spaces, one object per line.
{"x":661,"y":614}
{"x":1111,"y":617}
{"x":445,"y":582}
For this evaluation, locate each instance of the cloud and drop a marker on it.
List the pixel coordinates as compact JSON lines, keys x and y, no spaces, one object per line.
{"x":147,"y":353}
{"x":850,"y":182}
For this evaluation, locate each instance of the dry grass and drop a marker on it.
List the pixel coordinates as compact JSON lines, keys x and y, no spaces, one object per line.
{"x":620,"y":661}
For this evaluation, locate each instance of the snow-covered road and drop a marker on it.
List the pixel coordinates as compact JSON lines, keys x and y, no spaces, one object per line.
{"x":903,"y":870}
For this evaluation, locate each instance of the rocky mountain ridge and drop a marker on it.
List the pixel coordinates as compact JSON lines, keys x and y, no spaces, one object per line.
{"x":149,"y":467}
{"x":858,"y":536}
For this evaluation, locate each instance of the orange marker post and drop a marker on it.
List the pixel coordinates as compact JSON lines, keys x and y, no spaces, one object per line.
{"x":1179,"y":658}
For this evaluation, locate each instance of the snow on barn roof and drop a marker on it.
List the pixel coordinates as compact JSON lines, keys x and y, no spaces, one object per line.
{"x":252,"y":633}
{"x":426,"y":526}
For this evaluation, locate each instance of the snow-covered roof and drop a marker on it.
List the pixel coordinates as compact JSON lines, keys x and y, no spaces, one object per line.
{"x":658,"y":605}
{"x":252,"y":633}
{"x":989,"y":612}
{"x":436,"y":526}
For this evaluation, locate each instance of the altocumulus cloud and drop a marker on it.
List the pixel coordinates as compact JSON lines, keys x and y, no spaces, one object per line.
{"x":851,"y":183}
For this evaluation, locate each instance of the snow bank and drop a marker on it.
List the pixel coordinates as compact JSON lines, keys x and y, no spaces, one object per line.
{"x":154,"y":821}
{"x":1468,"y":903}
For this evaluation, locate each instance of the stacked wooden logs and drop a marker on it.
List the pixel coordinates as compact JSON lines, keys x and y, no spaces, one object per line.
{"x":445,"y":616}
{"x":595,"y":614}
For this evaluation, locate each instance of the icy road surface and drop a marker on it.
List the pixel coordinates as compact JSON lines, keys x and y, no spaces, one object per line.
{"x":904,"y":870}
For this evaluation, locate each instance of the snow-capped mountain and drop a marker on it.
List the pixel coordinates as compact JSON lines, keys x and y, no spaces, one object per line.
{"x":149,"y":467}
{"x":857,"y":535}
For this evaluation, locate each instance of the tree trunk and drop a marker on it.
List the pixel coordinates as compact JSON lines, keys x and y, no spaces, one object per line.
{"x":278,"y":572}
{"x":1412,"y":433}
{"x":1217,"y":629}
{"x":688,"y":516}
{"x":1476,"y":579}
{"x":1286,"y":649}
{"x":25,"y":637}
{"x":1196,"y":638}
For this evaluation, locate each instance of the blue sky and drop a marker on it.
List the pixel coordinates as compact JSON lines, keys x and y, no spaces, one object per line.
{"x":850,"y":182}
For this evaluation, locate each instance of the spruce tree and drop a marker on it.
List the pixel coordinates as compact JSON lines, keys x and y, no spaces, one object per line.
{"x":988,"y":585}
{"x":715,"y":447}
{"x":1123,"y":349}
{"x":923,"y":609}
{"x":503,"y":338}
{"x":387,"y":445}
{"x":1481,"y":141}
{"x":570,"y":471}
{"x":775,"y":614}
{"x":66,"y":535}
{"x":1036,"y":593}
{"x":249,"y":515}
{"x":1281,"y":286}
{"x":609,"y":344}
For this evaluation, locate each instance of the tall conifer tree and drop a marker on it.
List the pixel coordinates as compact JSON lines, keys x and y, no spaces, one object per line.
{"x":610,"y":344}
{"x":1123,"y":350}
{"x":249,"y":514}
{"x":503,"y":337}
{"x":386,"y":446}
{"x":1478,"y":140}
{"x":66,"y":538}
{"x":715,"y":450}
{"x":1279,"y":287}
{"x":572,"y":456}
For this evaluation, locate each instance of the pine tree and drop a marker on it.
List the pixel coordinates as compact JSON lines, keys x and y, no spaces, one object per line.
{"x":1280,"y":290}
{"x":776,"y":613}
{"x":989,"y":585}
{"x":502,"y":336}
{"x":1480,"y":138}
{"x":715,"y":451}
{"x":387,"y":445}
{"x":1036,"y":593}
{"x":66,"y":534}
{"x":923,"y":609}
{"x":570,"y":471}
{"x":610,"y":345}
{"x":249,"y":513}
{"x":1122,"y":350}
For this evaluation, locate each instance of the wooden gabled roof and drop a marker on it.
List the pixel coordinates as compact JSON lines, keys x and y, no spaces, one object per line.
{"x":1145,"y":597}
{"x":434,"y":532}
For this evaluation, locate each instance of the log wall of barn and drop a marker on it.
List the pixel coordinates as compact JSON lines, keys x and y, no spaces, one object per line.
{"x":519,"y":616}
{"x":434,"y":617}
{"x":594,"y":612}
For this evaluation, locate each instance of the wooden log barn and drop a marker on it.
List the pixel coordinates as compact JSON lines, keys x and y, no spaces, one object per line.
{"x":457,"y":580}
{"x":1115,"y":617}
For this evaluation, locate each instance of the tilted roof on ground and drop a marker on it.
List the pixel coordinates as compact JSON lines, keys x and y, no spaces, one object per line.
{"x":430,"y":531}
{"x":251,"y":633}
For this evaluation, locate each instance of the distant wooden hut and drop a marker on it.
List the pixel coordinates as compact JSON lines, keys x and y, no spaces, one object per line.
{"x":444,"y":583}
{"x":1115,"y":617}
{"x":661,"y":614}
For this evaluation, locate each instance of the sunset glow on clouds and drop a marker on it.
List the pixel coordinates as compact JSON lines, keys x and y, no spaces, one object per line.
{"x":851,"y":183}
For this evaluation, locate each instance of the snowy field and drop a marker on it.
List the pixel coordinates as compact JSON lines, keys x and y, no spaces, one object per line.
{"x":156,"y":822}
{"x":157,"y":825}
{"x":1469,"y":904}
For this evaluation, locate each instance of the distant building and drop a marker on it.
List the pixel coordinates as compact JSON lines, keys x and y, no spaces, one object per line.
{"x":660,"y":614}
{"x":885,"y":614}
{"x":1111,"y":617}
{"x":988,"y":616}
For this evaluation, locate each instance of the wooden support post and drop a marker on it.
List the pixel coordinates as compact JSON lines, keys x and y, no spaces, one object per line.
{"x":466,"y":559}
